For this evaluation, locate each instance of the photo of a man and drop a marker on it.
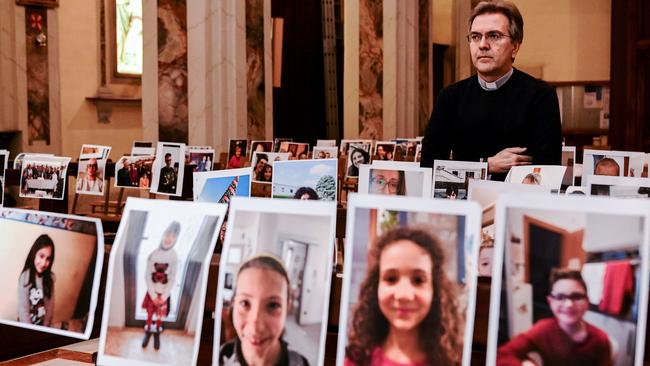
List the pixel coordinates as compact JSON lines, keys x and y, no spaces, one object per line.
{"x":168,"y":176}
{"x":168,"y":169}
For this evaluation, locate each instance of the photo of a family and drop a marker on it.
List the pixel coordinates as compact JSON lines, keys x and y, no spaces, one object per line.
{"x":134,"y":172}
{"x":405,"y":149}
{"x":237,"y":154}
{"x":325,"y":152}
{"x":305,"y":179}
{"x":91,"y":169}
{"x":156,"y":284}
{"x":201,"y":157}
{"x":451,"y":178}
{"x":168,"y":169}
{"x":50,"y":271}
{"x":395,"y":178}
{"x":409,"y":275}
{"x":274,"y":283}
{"x":43,"y":177}
{"x":219,"y":186}
{"x":18,"y":161}
{"x":576,"y":293}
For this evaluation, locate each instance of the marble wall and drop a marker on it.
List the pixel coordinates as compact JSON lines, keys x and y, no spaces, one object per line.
{"x":425,"y":80}
{"x":172,"y":71}
{"x":38,"y":96}
{"x":255,"y":69}
{"x":371,"y":65}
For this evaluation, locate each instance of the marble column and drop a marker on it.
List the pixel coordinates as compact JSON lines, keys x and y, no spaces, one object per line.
{"x":217,"y":73}
{"x":16,"y":43}
{"x":386,"y":67}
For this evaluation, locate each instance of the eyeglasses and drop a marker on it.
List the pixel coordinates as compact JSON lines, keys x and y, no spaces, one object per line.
{"x":491,"y":37}
{"x":574,"y":297}
{"x":92,"y":165}
{"x":380,"y":183}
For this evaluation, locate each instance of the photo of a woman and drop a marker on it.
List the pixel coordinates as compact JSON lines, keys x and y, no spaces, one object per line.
{"x":259,"y":311}
{"x":36,"y":284}
{"x":565,"y":339}
{"x":306,"y":193}
{"x":387,"y":182}
{"x":407,"y":310}
{"x":356,"y":157}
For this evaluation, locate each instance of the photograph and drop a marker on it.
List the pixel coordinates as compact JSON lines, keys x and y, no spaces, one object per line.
{"x":620,"y":187}
{"x":384,"y":150}
{"x":18,"y":161}
{"x":418,"y":152}
{"x":451,"y":178}
{"x":296,"y":150}
{"x":326,"y":143}
{"x":261,"y":146}
{"x":262,"y":172}
{"x":279,"y":140}
{"x":220,"y":185}
{"x":358,"y":154}
{"x":157,"y":281}
{"x":395,"y":178}
{"x":325,"y":152}
{"x":568,"y":160}
{"x":576,"y":283}
{"x":50,"y":271}
{"x":201,"y":157}
{"x":313,"y":179}
{"x":168,"y":169}
{"x":612,"y":163}
{"x":92,"y":169}
{"x":237,"y":154}
{"x":274,"y":282}
{"x":4,"y":158}
{"x":143,"y":148}
{"x":134,"y":172}
{"x":43,"y":177}
{"x":345,"y":146}
{"x":405,"y":149}
{"x":409,"y":283}
{"x":550,"y":176}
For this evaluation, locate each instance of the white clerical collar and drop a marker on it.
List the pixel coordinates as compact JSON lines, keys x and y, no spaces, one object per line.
{"x":497,"y":83}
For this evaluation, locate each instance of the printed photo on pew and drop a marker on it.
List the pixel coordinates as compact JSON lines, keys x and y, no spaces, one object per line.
{"x":550,"y":176}
{"x":220,"y":185}
{"x":451,"y":178}
{"x":261,"y":146}
{"x":576,"y":289}
{"x":237,"y":154}
{"x":91,"y":169}
{"x":157,"y":281}
{"x":325,"y":152}
{"x":620,"y":187}
{"x":50,"y":271}
{"x":612,"y":163}
{"x":410,"y":273}
{"x":305,"y":179}
{"x":18,"y":161}
{"x":134,"y":172}
{"x":262,"y":172}
{"x":43,"y":177}
{"x":277,"y":257}
{"x":395,"y":178}
{"x":168,"y":169}
{"x":201,"y":157}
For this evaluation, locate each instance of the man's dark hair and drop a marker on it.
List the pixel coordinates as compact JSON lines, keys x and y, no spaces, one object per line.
{"x":168,"y":155}
{"x":566,"y":274}
{"x":508,"y":9}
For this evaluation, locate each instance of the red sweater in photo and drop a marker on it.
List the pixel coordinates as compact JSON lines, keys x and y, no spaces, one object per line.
{"x":555,"y":347}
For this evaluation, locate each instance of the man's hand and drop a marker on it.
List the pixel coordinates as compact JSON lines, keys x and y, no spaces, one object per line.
{"x":507,"y":158}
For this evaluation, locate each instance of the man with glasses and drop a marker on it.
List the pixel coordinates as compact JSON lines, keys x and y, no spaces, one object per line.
{"x":564,"y":339}
{"x":90,"y":182}
{"x":502,"y":115}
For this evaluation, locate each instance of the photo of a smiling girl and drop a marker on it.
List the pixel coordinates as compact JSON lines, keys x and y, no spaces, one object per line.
{"x":407,"y":308}
{"x":259,"y":311}
{"x":36,"y":284}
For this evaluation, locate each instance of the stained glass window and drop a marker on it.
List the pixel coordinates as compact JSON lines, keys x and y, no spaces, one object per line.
{"x":128,"y":31}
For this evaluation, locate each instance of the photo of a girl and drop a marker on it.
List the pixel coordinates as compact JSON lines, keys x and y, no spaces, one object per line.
{"x":36,"y":284}
{"x":356,"y":157}
{"x":259,"y":311}
{"x":160,"y":277}
{"x":408,"y":294}
{"x":406,"y":311}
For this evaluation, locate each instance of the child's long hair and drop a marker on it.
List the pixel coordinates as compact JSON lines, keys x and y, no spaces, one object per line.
{"x":41,"y":242}
{"x":439,"y":331}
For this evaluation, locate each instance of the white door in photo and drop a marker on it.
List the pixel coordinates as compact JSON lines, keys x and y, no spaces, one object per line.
{"x":294,"y":258}
{"x":311,"y":308}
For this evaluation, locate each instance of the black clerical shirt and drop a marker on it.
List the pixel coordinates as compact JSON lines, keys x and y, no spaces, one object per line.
{"x":476,"y":124}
